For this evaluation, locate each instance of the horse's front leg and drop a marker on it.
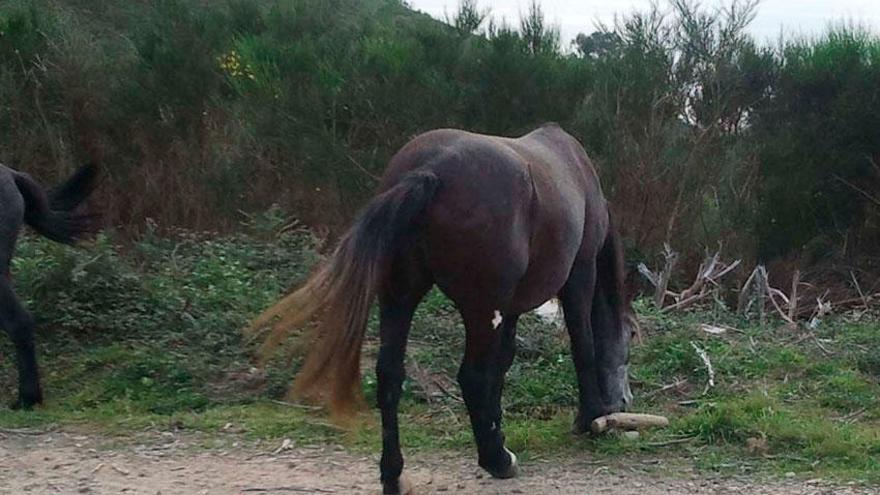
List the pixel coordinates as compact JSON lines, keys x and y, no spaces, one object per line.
{"x":19,"y":325}
{"x":598,"y":346}
{"x":489,"y":351}
{"x":577,"y":305}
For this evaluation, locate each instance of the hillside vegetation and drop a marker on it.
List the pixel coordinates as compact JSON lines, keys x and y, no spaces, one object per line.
{"x":201,"y":110}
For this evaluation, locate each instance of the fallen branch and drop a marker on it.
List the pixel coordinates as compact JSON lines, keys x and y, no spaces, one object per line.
{"x":859,"y":190}
{"x":838,"y":304}
{"x":297,"y":489}
{"x":675,"y":441}
{"x":744,"y":301}
{"x":761,"y":283}
{"x":24,"y":431}
{"x":710,"y":370}
{"x":771,"y":292}
{"x":627,"y":421}
{"x":664,"y":388}
{"x":793,"y":300}
{"x":660,"y":281}
{"x":820,"y":345}
{"x":685,"y":303}
{"x":448,"y":392}
{"x":859,"y":289}
{"x":294,"y":405}
{"x":711,"y":270}
{"x":851,"y":416}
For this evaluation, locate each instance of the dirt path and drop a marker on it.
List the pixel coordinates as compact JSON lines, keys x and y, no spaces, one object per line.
{"x":72,"y":463}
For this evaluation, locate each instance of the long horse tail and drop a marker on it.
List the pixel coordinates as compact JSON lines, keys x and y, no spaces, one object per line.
{"x":52,"y":214}
{"x":336,"y":299}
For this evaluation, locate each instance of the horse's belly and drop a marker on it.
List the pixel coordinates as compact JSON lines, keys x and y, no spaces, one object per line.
{"x":542,"y":281}
{"x":556,"y":240}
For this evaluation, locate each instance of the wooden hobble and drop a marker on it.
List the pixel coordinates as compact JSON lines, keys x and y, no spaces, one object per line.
{"x":627,"y":421}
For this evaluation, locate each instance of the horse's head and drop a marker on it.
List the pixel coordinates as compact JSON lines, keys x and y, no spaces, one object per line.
{"x":631,"y":331}
{"x":629,"y":323}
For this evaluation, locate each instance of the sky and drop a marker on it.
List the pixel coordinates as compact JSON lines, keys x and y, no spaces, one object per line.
{"x":805,"y":17}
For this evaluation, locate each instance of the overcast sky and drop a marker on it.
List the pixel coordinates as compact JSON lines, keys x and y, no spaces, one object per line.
{"x":574,"y":16}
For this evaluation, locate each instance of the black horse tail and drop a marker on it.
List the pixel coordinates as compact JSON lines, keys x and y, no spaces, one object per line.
{"x":52,"y":215}
{"x":338,"y":296}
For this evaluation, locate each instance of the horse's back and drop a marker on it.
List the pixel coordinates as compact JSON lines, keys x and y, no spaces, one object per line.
{"x":507,"y":222}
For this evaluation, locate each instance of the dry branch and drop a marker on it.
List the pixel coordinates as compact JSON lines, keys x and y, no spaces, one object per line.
{"x":744,"y":301}
{"x":788,"y":309}
{"x":793,"y":300}
{"x":704,"y":356}
{"x":711,"y":270}
{"x":660,"y":281}
{"x":859,"y":288}
{"x":627,"y":421}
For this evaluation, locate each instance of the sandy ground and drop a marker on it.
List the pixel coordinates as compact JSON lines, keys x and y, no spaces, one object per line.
{"x":164,"y":463}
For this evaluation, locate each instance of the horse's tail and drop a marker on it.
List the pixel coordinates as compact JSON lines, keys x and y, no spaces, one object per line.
{"x":52,"y":215}
{"x":337,"y":297}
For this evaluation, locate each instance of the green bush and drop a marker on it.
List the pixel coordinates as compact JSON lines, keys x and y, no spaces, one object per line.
{"x":700,"y":134}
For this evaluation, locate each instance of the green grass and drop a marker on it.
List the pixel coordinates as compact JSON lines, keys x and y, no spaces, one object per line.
{"x":153,"y":342}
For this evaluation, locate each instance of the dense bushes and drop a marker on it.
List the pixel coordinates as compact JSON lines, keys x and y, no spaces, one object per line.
{"x":820,"y":147}
{"x":201,"y":111}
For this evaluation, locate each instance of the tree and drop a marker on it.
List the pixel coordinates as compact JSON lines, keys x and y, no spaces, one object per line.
{"x":468,"y":18}
{"x":596,"y":45}
{"x":538,"y":36}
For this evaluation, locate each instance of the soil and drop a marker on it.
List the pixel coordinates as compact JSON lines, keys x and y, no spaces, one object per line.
{"x":70,"y":462}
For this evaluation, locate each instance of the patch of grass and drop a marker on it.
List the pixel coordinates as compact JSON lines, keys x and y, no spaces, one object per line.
{"x":164,"y":350}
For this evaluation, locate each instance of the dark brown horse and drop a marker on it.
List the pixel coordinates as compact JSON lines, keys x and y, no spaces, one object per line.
{"x":501,"y":225}
{"x":53,"y":215}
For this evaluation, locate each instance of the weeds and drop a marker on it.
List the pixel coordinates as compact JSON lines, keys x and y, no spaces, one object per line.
{"x":148,"y":335}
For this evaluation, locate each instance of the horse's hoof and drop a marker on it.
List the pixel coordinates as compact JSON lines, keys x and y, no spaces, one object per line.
{"x":404,"y":487}
{"x":510,"y":471}
{"x":25,"y":403}
{"x":581,"y":425}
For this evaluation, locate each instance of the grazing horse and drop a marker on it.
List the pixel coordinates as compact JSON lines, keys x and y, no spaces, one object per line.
{"x":51,"y":214}
{"x":500,"y":225}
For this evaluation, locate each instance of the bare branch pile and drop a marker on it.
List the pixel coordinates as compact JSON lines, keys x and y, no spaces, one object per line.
{"x":803,"y":304}
{"x":706,"y":282}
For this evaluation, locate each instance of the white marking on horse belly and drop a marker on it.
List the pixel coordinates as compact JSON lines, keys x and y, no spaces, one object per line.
{"x":496,"y":320}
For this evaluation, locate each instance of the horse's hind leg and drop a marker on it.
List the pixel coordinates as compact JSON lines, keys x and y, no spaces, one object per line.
{"x":489,"y":351}
{"x":19,"y":325}
{"x":397,"y":303}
